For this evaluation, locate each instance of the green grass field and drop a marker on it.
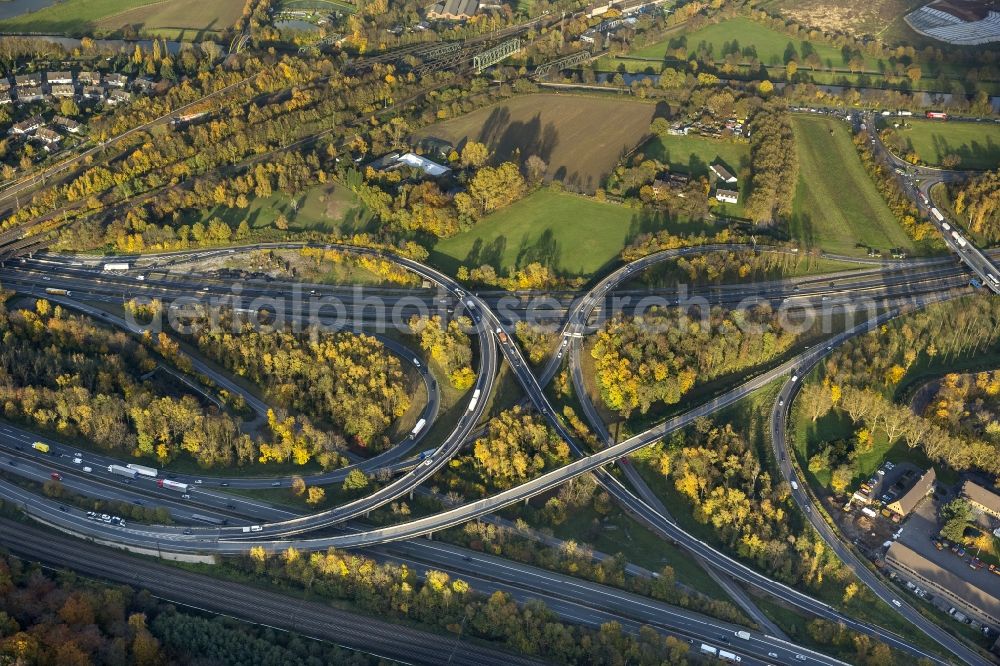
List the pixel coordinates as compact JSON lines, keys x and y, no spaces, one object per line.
{"x":770,"y":45}
{"x":693,"y":154}
{"x":170,"y":18}
{"x":571,"y":234}
{"x":977,"y":144}
{"x":836,"y":204}
{"x":328,"y":208}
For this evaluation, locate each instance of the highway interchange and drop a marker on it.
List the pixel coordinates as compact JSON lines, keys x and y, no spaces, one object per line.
{"x":889,"y":290}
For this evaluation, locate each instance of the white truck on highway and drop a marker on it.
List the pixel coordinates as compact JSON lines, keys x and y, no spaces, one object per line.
{"x":475,"y":399}
{"x":417,"y":428}
{"x":143,"y":470}
{"x":116,"y":266}
{"x":123,"y":471}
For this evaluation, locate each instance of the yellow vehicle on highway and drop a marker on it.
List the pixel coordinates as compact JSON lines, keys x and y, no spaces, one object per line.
{"x":40,"y":446}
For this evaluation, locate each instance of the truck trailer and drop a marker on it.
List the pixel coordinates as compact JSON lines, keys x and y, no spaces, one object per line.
{"x":142,"y":469}
{"x":123,"y":471}
{"x":173,"y":485}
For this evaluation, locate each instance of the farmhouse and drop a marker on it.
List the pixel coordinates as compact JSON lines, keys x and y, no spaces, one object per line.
{"x":453,"y":10}
{"x":63,"y":90}
{"x":68,"y":124}
{"x":982,"y":499}
{"x":905,"y":504}
{"x":27,"y":126}
{"x":55,"y":78}
{"x":723,"y":174}
{"x":727,"y":196}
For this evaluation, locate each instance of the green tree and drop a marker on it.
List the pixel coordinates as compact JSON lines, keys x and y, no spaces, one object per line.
{"x":355,"y":481}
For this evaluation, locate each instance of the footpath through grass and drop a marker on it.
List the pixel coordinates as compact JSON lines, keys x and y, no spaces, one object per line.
{"x":570,"y":234}
{"x":837,"y":207}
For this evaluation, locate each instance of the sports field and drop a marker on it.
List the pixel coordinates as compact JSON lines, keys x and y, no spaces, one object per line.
{"x":693,"y":154}
{"x":976,"y":144}
{"x":183,"y":19}
{"x":571,"y":234}
{"x":836,"y":204}
{"x":581,"y":138}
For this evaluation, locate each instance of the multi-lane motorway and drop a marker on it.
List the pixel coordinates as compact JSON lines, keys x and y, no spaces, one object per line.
{"x":232,"y":539}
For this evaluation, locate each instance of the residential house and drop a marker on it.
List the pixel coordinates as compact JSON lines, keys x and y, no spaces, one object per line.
{"x":5,"y":97}
{"x":47,"y":136}
{"x":93,"y":92}
{"x":981,"y":499}
{"x":27,"y":126}
{"x":59,"y":78}
{"x":727,"y":196}
{"x":4,"y":84}
{"x":30,"y":94}
{"x":143,"y":84}
{"x":923,"y":487}
{"x":68,"y":124}
{"x":117,"y":96}
{"x":63,"y":90}
{"x":89,"y":78}
{"x":660,"y":186}
{"x":28,"y":80}
{"x":116,"y":80}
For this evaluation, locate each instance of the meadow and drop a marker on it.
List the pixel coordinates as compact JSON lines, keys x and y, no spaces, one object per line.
{"x":772,"y":47}
{"x":327,"y":208}
{"x":581,"y":138}
{"x":571,"y":234}
{"x":837,"y":206}
{"x":976,"y":144}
